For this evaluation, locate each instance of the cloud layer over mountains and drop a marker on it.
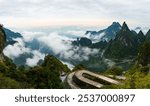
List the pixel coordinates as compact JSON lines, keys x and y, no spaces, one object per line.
{"x":59,"y":45}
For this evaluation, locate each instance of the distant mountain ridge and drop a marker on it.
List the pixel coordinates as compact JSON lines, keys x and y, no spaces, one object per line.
{"x":118,"y":43}
{"x":105,"y":34}
{"x":11,"y":35}
{"x":126,"y":43}
{"x":124,"y":48}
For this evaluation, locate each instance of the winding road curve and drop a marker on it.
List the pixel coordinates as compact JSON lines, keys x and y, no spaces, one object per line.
{"x":70,"y":81}
{"x":80,"y":77}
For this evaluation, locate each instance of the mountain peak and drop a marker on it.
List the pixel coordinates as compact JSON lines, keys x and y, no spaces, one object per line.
{"x":124,"y":23}
{"x":116,"y":23}
{"x":141,"y":33}
{"x":125,"y":26}
{"x":104,"y":34}
{"x":148,"y":33}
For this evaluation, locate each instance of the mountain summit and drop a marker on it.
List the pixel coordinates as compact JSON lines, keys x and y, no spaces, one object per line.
{"x":141,"y":36}
{"x":105,"y":34}
{"x":125,"y":27}
{"x":125,"y":44}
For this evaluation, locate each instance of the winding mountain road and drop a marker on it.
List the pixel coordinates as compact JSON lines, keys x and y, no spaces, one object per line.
{"x":70,"y":81}
{"x":79,"y":75}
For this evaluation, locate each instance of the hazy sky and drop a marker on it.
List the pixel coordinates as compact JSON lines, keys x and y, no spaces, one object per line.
{"x":35,"y":13}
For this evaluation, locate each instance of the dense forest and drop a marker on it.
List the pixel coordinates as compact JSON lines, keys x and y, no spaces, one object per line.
{"x":44,"y":76}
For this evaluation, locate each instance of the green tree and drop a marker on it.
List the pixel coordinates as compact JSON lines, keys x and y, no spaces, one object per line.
{"x":114,"y":71}
{"x":8,"y":83}
{"x":53,"y":63}
{"x":43,"y":78}
{"x":144,"y":54}
{"x":79,"y":67}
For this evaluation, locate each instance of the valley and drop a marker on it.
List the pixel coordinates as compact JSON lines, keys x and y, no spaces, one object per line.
{"x":119,"y":58}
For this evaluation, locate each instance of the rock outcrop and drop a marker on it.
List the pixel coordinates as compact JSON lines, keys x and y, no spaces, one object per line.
{"x":2,"y":42}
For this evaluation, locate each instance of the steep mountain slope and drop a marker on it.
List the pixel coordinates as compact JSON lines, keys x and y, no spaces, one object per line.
{"x":2,"y":42}
{"x":99,"y":45}
{"x":106,"y":34}
{"x":141,"y":37}
{"x":125,"y":44}
{"x":10,"y":36}
{"x":148,"y":36}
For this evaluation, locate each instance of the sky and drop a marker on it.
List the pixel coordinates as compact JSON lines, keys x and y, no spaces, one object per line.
{"x":42,"y":13}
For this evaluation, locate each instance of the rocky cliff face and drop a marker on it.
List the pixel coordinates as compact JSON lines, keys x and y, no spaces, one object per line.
{"x":126,"y":43}
{"x":2,"y":42}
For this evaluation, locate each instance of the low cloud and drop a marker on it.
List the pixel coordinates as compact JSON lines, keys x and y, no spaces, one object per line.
{"x":35,"y":59}
{"x":19,"y":48}
{"x":14,"y":51}
{"x":61,"y":47}
{"x":76,"y":33}
{"x":57,"y":43}
{"x":29,"y":36}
